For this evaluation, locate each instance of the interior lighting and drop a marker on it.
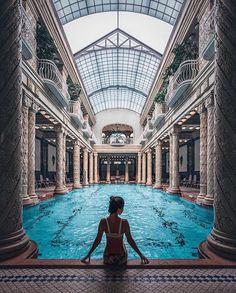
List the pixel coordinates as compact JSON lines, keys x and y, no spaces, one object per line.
{"x":184,"y":119}
{"x":184,"y":127}
{"x":191,"y":127}
{"x":198,"y":127}
{"x":51,"y":127}
{"x":43,"y":112}
{"x":44,"y":127}
{"x":192,"y":112}
{"x":188,"y":116}
{"x":36,"y":126}
{"x":180,"y":123}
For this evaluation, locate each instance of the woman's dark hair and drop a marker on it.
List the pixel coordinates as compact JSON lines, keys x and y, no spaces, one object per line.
{"x":116,"y":202}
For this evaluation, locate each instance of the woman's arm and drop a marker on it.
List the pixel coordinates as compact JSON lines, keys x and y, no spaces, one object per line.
{"x":95,"y":243}
{"x":133,"y":244}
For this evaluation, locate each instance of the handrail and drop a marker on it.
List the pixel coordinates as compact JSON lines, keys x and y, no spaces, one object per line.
{"x":187,"y":71}
{"x":47,"y":69}
{"x":27,"y":33}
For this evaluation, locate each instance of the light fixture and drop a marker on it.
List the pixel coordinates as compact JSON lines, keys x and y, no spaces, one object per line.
{"x":184,"y":119}
{"x":191,"y":127}
{"x":43,"y":112}
{"x":184,"y":127}
{"x":180,"y":123}
{"x":197,"y":128}
{"x":188,"y":116}
{"x":36,"y":126}
{"x":192,"y":112}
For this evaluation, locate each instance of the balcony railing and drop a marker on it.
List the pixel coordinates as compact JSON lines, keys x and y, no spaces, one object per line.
{"x":181,"y":80}
{"x":116,"y":141}
{"x":148,"y":129}
{"x":28,"y":38}
{"x":158,"y":114}
{"x":52,"y":77}
{"x":76,"y":112}
{"x":208,"y":38}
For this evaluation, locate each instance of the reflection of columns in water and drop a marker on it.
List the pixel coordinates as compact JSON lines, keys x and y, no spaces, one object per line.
{"x":108,"y":170}
{"x":158,"y":166}
{"x":222,"y":239}
{"x":203,"y":152}
{"x":149,"y":167}
{"x":13,"y":240}
{"x":85,"y":167}
{"x":126,"y":169}
{"x":208,"y":200}
{"x":60,"y":187}
{"x":139,"y":167}
{"x":76,"y":165}
{"x":31,"y":152}
{"x":95,"y":168}
{"x":91,"y":168}
{"x":143,"y":168}
{"x":25,"y":146}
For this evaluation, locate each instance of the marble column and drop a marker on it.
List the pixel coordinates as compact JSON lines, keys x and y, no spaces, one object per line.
{"x":31,"y":152}
{"x":85,"y":168}
{"x":158,"y":166}
{"x":175,"y":161}
{"x":139,"y":167}
{"x":76,"y":165}
{"x":108,"y":170}
{"x":91,"y":181}
{"x":144,"y":168}
{"x":149,"y":167}
{"x":60,"y":145}
{"x":170,"y":160}
{"x":95,"y":168}
{"x":13,"y":240}
{"x":126,"y":170}
{"x":222,"y":240}
{"x":209,"y":199}
{"x":203,"y":153}
{"x":26,"y":103}
{"x":64,"y":157}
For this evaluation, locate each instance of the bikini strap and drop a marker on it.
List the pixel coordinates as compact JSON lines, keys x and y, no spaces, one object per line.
{"x":120,"y":227}
{"x":108,"y":227}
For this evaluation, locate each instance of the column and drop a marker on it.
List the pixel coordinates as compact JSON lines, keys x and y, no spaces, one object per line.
{"x":222,"y":240}
{"x":175,"y":161}
{"x":108,"y":170}
{"x":91,"y":168}
{"x":208,"y":200}
{"x":76,"y":165}
{"x":85,"y":168}
{"x":139,"y":167}
{"x":170,"y":160}
{"x":126,"y":169}
{"x":13,"y":240}
{"x":60,"y":175}
{"x":26,"y":102}
{"x":31,"y":152}
{"x":95,"y":168}
{"x":158,"y":166}
{"x":203,"y":153}
{"x":149,"y":167}
{"x":144,"y":168}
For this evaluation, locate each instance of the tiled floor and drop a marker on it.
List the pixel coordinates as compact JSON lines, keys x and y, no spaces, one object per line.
{"x":107,"y":280}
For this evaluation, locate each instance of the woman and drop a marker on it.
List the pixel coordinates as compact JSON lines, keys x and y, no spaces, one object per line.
{"x":115,"y":227}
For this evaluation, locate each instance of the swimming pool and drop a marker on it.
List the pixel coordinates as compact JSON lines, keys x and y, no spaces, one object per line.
{"x":164,"y":226}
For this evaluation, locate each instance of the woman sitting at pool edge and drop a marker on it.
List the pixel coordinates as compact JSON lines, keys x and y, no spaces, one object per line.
{"x":115,"y":227}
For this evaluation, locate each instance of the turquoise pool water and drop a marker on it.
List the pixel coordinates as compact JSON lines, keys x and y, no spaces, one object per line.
{"x":164,"y":226}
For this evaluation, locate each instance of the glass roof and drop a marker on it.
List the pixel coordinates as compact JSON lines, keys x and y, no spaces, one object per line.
{"x":166,"y":10}
{"x":117,"y":71}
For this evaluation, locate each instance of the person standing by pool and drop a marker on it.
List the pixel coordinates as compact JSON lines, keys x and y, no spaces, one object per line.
{"x":114,"y":228}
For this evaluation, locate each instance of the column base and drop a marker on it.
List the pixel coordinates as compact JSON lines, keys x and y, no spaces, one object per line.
{"x":149,"y":184}
{"x":77,"y":186}
{"x":60,"y":190}
{"x":173,"y":191}
{"x":34,"y":198}
{"x":27,"y":201}
{"x":208,"y":201}
{"x":157,"y":186}
{"x":218,"y":244}
{"x":200,"y":198}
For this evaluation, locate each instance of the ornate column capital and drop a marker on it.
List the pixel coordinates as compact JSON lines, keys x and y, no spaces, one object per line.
{"x":201,"y":108}
{"x":34,"y":107}
{"x":149,"y":151}
{"x":26,"y":101}
{"x":176,"y":129}
{"x":76,"y":142}
{"x":159,"y":142}
{"x":209,"y":102}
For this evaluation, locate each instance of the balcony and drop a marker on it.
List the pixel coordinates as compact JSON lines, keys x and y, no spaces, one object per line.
{"x":208,"y":42}
{"x":93,"y":139}
{"x":158,"y":114}
{"x":53,"y":79}
{"x":181,"y":80}
{"x":76,"y":113}
{"x":148,"y":129}
{"x":28,"y":38}
{"x":87,"y":129}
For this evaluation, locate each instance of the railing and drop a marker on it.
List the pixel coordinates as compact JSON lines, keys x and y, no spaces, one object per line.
{"x":27,"y":33}
{"x":187,"y":71}
{"x":48,"y":70}
{"x":107,"y":140}
{"x":208,"y":27}
{"x":74,"y":108}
